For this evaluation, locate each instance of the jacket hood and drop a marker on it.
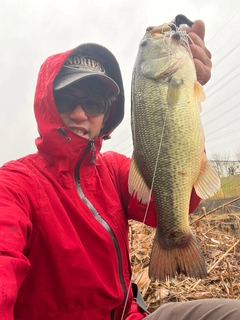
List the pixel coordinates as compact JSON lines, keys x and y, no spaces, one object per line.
{"x":53,"y":133}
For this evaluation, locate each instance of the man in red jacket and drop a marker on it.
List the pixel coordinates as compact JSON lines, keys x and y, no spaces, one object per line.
{"x":64,"y":211}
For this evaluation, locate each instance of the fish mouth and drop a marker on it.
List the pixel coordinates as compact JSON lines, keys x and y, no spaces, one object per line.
{"x":174,"y":25}
{"x":159,"y":31}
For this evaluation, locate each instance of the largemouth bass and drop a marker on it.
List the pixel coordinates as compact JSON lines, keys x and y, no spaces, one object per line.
{"x":168,"y":156}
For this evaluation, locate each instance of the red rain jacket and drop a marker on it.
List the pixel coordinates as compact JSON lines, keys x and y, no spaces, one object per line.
{"x":64,"y":223}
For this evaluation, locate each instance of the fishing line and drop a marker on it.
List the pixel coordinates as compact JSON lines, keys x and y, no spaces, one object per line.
{"x":147,"y":207}
{"x":125,"y":303}
{"x":155,"y":169}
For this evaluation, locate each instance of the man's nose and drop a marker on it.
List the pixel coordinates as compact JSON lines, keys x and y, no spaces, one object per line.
{"x":78,"y":113}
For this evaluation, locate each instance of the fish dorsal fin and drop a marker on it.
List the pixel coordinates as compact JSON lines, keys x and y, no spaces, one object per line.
{"x":208,"y":182}
{"x":174,"y":91}
{"x":199,"y":94}
{"x":136,"y":185}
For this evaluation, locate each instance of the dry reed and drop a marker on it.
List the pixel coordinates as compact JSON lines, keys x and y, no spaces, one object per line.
{"x":221,"y":248}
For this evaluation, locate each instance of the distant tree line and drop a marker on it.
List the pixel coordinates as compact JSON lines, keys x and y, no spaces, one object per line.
{"x":225,"y":167}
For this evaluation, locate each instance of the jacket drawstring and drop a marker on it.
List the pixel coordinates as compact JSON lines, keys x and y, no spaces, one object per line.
{"x":93,"y":152}
{"x":63,"y":133}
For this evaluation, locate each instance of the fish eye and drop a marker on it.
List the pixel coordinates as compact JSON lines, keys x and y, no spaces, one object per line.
{"x":176,"y":36}
{"x":144,"y":43}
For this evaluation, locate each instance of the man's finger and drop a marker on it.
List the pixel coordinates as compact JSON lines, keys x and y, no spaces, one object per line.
{"x":203,"y":72}
{"x":198,"y":27}
{"x":196,"y":40}
{"x":202,"y":54}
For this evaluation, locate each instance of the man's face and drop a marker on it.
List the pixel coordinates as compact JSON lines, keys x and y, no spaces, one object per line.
{"x":78,"y":120}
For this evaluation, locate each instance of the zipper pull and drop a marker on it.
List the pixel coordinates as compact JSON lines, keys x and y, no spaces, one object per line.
{"x":93,"y":152}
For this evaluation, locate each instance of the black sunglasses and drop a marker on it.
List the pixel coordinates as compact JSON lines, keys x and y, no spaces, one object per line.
{"x":95,"y":105}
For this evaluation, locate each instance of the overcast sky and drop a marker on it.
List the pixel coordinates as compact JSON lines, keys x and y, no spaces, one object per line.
{"x":32,"y":30}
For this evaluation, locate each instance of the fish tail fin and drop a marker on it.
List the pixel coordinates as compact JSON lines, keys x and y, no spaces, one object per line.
{"x":136,"y":184}
{"x":166,"y":263}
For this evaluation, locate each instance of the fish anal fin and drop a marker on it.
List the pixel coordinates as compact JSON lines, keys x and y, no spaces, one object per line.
{"x":136,"y":184}
{"x":208,"y":182}
{"x":187,"y":259}
{"x":174,"y":91}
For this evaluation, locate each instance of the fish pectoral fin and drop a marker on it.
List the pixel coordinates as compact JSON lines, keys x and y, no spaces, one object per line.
{"x":136,"y":184}
{"x":199,"y":94}
{"x":208,"y":182}
{"x":174,"y":91}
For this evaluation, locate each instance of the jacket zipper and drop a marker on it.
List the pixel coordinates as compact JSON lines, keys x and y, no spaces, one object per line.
{"x":112,"y":315}
{"x":97,"y":215}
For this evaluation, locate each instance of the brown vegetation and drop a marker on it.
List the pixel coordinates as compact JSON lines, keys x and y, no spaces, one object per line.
{"x":220,"y":243}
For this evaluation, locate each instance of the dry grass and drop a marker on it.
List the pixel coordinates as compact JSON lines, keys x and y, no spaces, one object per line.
{"x":221,"y":249}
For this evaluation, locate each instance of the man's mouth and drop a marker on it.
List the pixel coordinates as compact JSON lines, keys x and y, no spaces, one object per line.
{"x":79,"y":131}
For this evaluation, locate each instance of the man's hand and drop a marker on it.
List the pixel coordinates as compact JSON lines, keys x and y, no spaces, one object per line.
{"x":201,"y":55}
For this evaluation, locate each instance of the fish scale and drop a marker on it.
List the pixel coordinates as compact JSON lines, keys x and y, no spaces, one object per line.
{"x":168,"y":148}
